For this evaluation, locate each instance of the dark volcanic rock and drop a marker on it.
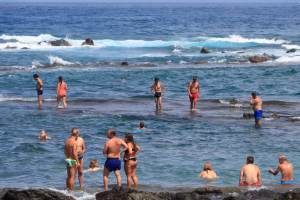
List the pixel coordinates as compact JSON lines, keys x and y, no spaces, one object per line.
{"x":188,"y":196}
{"x":240,"y":52}
{"x":60,"y":43}
{"x":205,"y":50}
{"x":288,"y":196}
{"x":201,"y":62}
{"x":294,"y":120}
{"x":41,"y":42}
{"x":204,"y":191}
{"x":25,"y":48}
{"x":36,"y":194}
{"x":291,"y":51}
{"x":237,"y":61}
{"x":248,"y":115}
{"x":8,"y":47}
{"x":267,"y":194}
{"x":124,"y":63}
{"x":274,"y":116}
{"x":257,"y":59}
{"x":114,"y":194}
{"x":233,"y":198}
{"x":224,"y":52}
{"x":88,"y":41}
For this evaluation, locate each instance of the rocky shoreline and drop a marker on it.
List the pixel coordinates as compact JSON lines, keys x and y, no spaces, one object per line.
{"x":124,"y":193}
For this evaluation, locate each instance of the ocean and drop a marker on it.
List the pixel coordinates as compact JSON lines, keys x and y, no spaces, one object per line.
{"x":157,"y":40}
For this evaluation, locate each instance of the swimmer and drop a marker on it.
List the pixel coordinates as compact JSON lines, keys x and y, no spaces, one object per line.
{"x":61,"y":91}
{"x":192,"y":89}
{"x":256,"y":102}
{"x":142,"y":128}
{"x":251,"y":173}
{"x":157,"y":92}
{"x":93,"y":166}
{"x":286,"y":170}
{"x":44,"y":136}
{"x":72,"y":162}
{"x":39,"y":88}
{"x":207,"y":172}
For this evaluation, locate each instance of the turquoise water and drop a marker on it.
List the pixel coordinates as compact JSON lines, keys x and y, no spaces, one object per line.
{"x":156,"y":44}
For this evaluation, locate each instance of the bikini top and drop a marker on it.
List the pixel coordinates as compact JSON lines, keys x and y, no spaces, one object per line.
{"x":128,"y":151}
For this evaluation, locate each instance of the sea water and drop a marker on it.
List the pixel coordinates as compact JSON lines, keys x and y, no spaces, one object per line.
{"x":157,"y":40}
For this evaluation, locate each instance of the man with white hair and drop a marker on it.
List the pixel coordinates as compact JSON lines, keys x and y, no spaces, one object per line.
{"x":286,"y":170}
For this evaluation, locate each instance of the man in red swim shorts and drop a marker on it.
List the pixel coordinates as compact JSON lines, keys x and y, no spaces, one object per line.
{"x":251,"y":173}
{"x":193,"y":87}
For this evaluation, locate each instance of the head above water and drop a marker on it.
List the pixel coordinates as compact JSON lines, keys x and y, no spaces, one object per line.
{"x":74,"y":131}
{"x":60,"y":79}
{"x":111,"y":133}
{"x":129,"y":138}
{"x":156,"y":79}
{"x":35,"y":76}
{"x":142,"y":124}
{"x":93,"y":164}
{"x":194,"y":79}
{"x":43,"y":132}
{"x":207,"y":166}
{"x":254,"y":94}
{"x":282,"y":159}
{"x":250,"y":160}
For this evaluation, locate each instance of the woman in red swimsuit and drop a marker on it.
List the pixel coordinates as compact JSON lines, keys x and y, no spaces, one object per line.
{"x":61,"y":91}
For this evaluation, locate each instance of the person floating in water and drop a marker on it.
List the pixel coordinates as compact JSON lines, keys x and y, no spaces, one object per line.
{"x":256,"y":102}
{"x":80,"y":151}
{"x":157,"y":92}
{"x":39,"y":88}
{"x":44,"y":136}
{"x":192,"y":89}
{"x":251,"y":173}
{"x":61,"y":91}
{"x":113,"y":162}
{"x":207,"y":172}
{"x":286,"y":170}
{"x":93,"y":166}
{"x":72,"y":161}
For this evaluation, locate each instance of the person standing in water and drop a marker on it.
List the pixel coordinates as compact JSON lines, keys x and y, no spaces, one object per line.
{"x":72,"y":161}
{"x":130,"y":161}
{"x":39,"y":88}
{"x":192,"y":89}
{"x":157,"y":92}
{"x":61,"y":91}
{"x":81,"y":151}
{"x":286,"y":170}
{"x":256,"y":102}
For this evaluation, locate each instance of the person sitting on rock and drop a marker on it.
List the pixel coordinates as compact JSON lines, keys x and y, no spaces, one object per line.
{"x":207,"y":172}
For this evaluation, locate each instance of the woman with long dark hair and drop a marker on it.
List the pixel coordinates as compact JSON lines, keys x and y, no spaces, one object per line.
{"x":130,"y":161}
{"x":61,"y":91}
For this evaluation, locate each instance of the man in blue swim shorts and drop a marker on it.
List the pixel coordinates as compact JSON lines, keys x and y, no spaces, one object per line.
{"x":113,"y":162}
{"x":286,"y":170}
{"x":39,"y":88}
{"x":256,"y":102}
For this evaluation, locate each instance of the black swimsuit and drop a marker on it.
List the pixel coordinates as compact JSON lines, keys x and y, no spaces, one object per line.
{"x":134,"y":159}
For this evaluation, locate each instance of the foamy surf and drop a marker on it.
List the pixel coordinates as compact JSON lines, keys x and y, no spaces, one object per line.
{"x":57,"y":60}
{"x":240,"y":39}
{"x":77,"y":194}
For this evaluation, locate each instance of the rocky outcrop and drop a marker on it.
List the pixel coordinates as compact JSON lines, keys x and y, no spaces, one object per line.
{"x":205,"y":50}
{"x":237,"y":61}
{"x":257,"y":59}
{"x":204,"y":191}
{"x":291,"y":51}
{"x":36,"y":194}
{"x":224,"y":52}
{"x":9,"y":47}
{"x":240,"y":52}
{"x":59,"y":43}
{"x":189,"y":196}
{"x":261,"y":194}
{"x":124,"y":63}
{"x":248,"y":115}
{"x":288,"y":196}
{"x":201,"y":62}
{"x":88,"y":41}
{"x":274,"y":116}
{"x":233,"y":198}
{"x":25,"y":48}
{"x":294,"y":120}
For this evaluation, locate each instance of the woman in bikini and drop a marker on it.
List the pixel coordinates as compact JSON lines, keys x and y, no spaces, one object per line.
{"x":207,"y":172}
{"x":61,"y":91}
{"x":130,"y":161}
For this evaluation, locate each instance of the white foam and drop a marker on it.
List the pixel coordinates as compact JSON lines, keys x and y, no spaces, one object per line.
{"x":78,"y":195}
{"x":4,"y":97}
{"x":182,"y":62}
{"x":240,"y":39}
{"x":176,"y":51}
{"x":57,"y":60}
{"x":254,"y":188}
{"x":290,"y":46}
{"x":30,"y":39}
{"x":288,"y":59}
{"x":36,"y":64}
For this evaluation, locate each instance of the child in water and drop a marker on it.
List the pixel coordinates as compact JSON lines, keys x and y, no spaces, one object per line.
{"x":93,"y":166}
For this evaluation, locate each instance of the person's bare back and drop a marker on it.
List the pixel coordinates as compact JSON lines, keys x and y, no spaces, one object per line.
{"x":285,"y":168}
{"x":208,"y":174}
{"x":113,"y":147}
{"x":251,"y":173}
{"x":39,"y":84}
{"x":71,"y":148}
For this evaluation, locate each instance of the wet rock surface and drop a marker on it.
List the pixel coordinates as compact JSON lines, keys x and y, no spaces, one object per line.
{"x":257,"y":59}
{"x":36,"y":194}
{"x":291,"y":51}
{"x":9,"y":47}
{"x":201,"y":62}
{"x":205,"y":50}
{"x":124,"y":63}
{"x":204,"y":191}
{"x":288,"y":196}
{"x":59,"y":43}
{"x":274,"y":116}
{"x":88,"y":41}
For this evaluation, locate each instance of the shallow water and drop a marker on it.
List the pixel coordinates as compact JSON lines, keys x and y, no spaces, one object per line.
{"x":149,"y":37}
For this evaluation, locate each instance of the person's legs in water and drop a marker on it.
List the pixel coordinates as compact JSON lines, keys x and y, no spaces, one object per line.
{"x":105,"y":177}
{"x":40,"y":100}
{"x":58,"y":99}
{"x":195,"y":103}
{"x":119,"y":180}
{"x":71,"y":176}
{"x":64,"y":100}
{"x":133,"y":174}
{"x":160,"y":102}
{"x":80,"y":173}
{"x":156,"y":102}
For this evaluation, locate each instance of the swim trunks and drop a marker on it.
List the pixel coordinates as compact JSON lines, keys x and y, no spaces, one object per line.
{"x":255,"y":184}
{"x":258,"y":114}
{"x":40,"y":92}
{"x":194,"y":96}
{"x":70,"y":162}
{"x":80,"y":157}
{"x":287,"y":182}
{"x":113,"y":164}
{"x":157,"y":94}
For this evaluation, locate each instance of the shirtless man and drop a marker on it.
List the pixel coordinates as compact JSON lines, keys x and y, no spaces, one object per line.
{"x":44,"y":136}
{"x":113,"y":162}
{"x":192,"y":89}
{"x":251,"y":173}
{"x":286,"y":170}
{"x":39,"y":88}
{"x":256,"y":102}
{"x":80,"y":150}
{"x":72,"y":161}
{"x":157,"y":94}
